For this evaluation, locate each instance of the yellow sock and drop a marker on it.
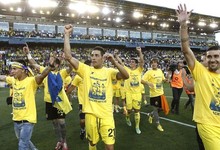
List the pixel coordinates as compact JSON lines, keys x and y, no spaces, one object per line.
{"x":92,"y":147}
{"x":127,"y":117}
{"x":125,"y":110}
{"x":137,"y":119}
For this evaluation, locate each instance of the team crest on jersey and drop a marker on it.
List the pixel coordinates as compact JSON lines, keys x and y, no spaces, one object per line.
{"x":215,"y":102}
{"x":97,"y":91}
{"x":18,"y":101}
{"x":134,"y":81}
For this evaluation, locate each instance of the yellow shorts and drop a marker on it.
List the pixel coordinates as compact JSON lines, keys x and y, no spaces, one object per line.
{"x":210,"y":136}
{"x":96,"y":127}
{"x":122,"y":92}
{"x":116,"y":93}
{"x":133,"y":101}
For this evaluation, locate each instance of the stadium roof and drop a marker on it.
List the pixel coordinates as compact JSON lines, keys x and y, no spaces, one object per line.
{"x":205,"y":7}
{"x":94,"y":13}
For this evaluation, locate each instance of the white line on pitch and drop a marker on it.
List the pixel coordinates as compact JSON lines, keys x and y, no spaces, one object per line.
{"x":174,"y":121}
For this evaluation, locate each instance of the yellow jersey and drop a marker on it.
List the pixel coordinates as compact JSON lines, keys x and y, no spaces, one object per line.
{"x":23,"y":102}
{"x":97,"y":85}
{"x":207,"y":101}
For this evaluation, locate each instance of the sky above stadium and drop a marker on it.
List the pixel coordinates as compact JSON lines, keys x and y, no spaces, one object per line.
{"x":205,"y":7}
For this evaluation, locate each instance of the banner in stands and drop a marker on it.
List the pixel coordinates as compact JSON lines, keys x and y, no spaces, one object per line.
{"x":46,"y":28}
{"x":135,"y":34}
{"x":4,"y":26}
{"x":60,"y":29}
{"x":109,"y":32}
{"x":80,"y":31}
{"x":122,"y":33}
{"x":23,"y":27}
{"x":95,"y":31}
{"x":146,"y":35}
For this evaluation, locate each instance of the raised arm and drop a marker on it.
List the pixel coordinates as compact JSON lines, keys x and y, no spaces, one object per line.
{"x":69,"y":67}
{"x":122,"y":74}
{"x":141,"y":63}
{"x":183,"y":17}
{"x":39,"y":78}
{"x":31,"y":61}
{"x":117,"y":57}
{"x":67,"y":51}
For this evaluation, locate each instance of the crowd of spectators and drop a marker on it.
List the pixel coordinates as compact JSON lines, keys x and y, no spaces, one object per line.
{"x":155,"y":41}
{"x":40,"y":54}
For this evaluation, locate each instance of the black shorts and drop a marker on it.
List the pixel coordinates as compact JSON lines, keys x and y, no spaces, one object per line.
{"x":53,"y":113}
{"x":156,"y":101}
{"x":81,"y":114}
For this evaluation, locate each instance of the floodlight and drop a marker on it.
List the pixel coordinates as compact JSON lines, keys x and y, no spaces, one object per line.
{"x":118,"y":19}
{"x":82,"y":7}
{"x":121,"y":12}
{"x":78,"y":7}
{"x":105,"y":10}
{"x":19,"y":9}
{"x":154,"y":16}
{"x":213,"y":25}
{"x":201,"y":23}
{"x":6,"y":2}
{"x":137,"y":14}
{"x":92,"y":9}
{"x":164,"y":25}
{"x":42,"y":3}
{"x":34,"y":11}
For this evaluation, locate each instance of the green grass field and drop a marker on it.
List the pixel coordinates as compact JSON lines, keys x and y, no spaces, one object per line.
{"x":175,"y":136}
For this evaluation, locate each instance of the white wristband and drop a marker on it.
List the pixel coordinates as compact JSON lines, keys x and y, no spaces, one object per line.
{"x":29,"y":56}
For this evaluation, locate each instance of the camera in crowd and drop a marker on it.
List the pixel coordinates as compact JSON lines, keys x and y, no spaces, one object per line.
{"x":173,"y":67}
{"x":9,"y":100}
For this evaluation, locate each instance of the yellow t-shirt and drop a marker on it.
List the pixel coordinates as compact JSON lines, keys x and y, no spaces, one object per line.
{"x":67,"y":81}
{"x":97,"y":85}
{"x":11,"y":90}
{"x":23,"y":103}
{"x":116,"y":84}
{"x":122,"y":83}
{"x":78,"y":82}
{"x":155,"y":77}
{"x":133,"y":83}
{"x":207,"y":102}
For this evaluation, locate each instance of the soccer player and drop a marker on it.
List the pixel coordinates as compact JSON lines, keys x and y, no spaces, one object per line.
{"x":133,"y":89}
{"x":116,"y":95}
{"x":97,"y":81}
{"x":154,"y":78}
{"x":56,"y":100}
{"x":24,"y":86}
{"x":78,"y":82}
{"x":207,"y":82}
{"x":121,"y":88}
